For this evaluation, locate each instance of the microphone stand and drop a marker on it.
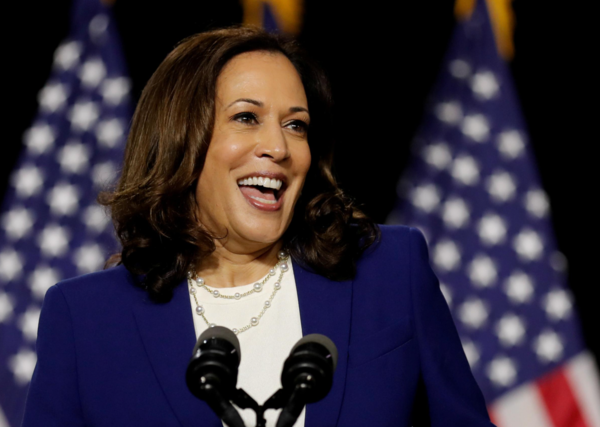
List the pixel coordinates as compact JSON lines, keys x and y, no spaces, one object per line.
{"x":244,"y":401}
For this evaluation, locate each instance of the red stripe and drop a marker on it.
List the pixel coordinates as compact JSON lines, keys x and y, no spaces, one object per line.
{"x":560,"y":401}
{"x":492,"y":416}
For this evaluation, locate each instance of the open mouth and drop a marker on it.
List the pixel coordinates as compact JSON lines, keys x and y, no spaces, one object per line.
{"x":262,"y":192}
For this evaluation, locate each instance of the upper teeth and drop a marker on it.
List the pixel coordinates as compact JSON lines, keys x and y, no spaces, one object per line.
{"x":259,"y":180}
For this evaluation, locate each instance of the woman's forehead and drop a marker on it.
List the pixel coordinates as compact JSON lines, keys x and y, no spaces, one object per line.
{"x":260,"y":74}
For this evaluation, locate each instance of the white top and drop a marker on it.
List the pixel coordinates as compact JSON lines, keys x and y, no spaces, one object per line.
{"x":264,"y":347}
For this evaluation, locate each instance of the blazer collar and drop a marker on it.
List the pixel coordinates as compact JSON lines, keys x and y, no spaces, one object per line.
{"x":326,"y":308}
{"x":167,"y":331}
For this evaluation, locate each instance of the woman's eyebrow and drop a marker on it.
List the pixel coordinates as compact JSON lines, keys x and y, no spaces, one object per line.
{"x":248,"y":100}
{"x":298,"y":110}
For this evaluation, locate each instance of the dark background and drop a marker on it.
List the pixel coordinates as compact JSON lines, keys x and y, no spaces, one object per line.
{"x":382,"y":60}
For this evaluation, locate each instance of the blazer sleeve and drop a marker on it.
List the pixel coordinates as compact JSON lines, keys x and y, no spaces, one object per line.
{"x":454,"y":399}
{"x":53,"y":398}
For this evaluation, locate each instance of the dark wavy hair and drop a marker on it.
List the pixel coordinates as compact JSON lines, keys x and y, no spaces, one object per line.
{"x":154,"y":207}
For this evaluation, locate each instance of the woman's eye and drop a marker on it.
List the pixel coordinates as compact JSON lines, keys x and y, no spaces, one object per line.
{"x":246,"y":118}
{"x":298,"y":126}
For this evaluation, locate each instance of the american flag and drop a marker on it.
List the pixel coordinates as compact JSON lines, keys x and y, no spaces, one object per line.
{"x":51,"y":227}
{"x":473,"y":189}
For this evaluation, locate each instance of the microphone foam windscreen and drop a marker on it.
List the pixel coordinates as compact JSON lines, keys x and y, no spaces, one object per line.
{"x":322,"y":340}
{"x":221,"y":332}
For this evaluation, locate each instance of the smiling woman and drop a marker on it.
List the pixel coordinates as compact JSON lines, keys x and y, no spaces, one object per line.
{"x":228,"y":214}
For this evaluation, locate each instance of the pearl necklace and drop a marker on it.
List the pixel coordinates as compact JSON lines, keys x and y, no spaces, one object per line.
{"x":257,"y":287}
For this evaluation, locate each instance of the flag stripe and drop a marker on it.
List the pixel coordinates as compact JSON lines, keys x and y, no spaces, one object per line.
{"x":560,"y":402}
{"x":585,"y":384}
{"x":522,"y":407}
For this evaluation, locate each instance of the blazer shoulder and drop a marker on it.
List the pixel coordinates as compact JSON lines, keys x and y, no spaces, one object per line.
{"x":115,"y":281}
{"x":397,"y":238}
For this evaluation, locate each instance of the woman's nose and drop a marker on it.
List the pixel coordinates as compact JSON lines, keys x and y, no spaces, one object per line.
{"x":272,"y":143}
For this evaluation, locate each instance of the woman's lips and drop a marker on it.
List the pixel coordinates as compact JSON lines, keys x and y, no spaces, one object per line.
{"x":265,"y":201}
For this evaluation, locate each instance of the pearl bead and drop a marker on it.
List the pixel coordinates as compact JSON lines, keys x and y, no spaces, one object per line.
{"x":277,"y":285}
{"x":281,"y":255}
{"x":235,"y":331}
{"x":254,"y":321}
{"x":216,"y":293}
{"x":272,"y":272}
{"x":284,"y":266}
{"x":267,"y":304}
{"x":212,"y":325}
{"x":257,"y":287}
{"x":199,"y":281}
{"x":199,"y":310}
{"x":192,"y":290}
{"x":237,"y":295}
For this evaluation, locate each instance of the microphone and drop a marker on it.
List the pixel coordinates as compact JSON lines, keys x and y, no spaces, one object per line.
{"x":213,"y":371}
{"x":307,"y":375}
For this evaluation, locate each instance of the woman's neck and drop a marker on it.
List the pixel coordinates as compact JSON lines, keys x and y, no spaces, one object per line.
{"x":228,"y":269}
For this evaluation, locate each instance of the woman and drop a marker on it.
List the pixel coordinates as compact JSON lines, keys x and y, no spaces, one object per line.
{"x":228,"y":213}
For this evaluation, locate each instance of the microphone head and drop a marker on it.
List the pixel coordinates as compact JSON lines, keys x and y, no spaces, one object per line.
{"x":214,"y":364}
{"x":223,"y":333}
{"x":322,"y":340}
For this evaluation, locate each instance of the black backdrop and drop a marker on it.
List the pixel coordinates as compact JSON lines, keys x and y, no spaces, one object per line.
{"x":382,"y":58}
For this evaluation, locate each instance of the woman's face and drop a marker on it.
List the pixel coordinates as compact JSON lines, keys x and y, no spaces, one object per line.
{"x":258,"y":156}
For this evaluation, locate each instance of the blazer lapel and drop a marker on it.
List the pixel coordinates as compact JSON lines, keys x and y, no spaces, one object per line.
{"x":167,"y":331}
{"x":325,"y":308}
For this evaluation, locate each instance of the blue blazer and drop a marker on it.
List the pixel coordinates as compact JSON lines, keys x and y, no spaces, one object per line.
{"x":109,"y":357}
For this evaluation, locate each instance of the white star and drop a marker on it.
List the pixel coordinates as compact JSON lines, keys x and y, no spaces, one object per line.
{"x":558,"y":261}
{"x":548,"y":346}
{"x":27,"y":181}
{"x":63,"y":199}
{"x":519,"y":287}
{"x":11,"y":264}
{"x":52,"y":97}
{"x":528,"y":245}
{"x":482,"y":271}
{"x":83,"y":115}
{"x":557,"y":304}
{"x":7,"y":306}
{"x":115,"y":90}
{"x":437,"y":155}
{"x":42,"y":278}
{"x":92,"y":72}
{"x":54,"y":240}
{"x":502,"y":371}
{"x":18,"y":222}
{"x":88,"y":258}
{"x":472,"y":353}
{"x":510,"y":330}
{"x":476,"y":127}
{"x":103,"y":174}
{"x":67,"y":55}
{"x":447,"y":293}
{"x":39,"y":138}
{"x":484,"y":85}
{"x":74,"y":157}
{"x":110,"y":133}
{"x":501,"y":186}
{"x":98,"y":25}
{"x":455,"y":213}
{"x":460,"y":69}
{"x":446,"y":255}
{"x":491,"y":229}
{"x":22,"y":365}
{"x":449,"y":112}
{"x":510,"y":144}
{"x":95,"y":218}
{"x":465,"y":170}
{"x":536,"y":203}
{"x":426,"y":197}
{"x":473,"y":313}
{"x":28,"y":323}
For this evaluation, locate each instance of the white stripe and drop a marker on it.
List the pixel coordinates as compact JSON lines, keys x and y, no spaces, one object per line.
{"x":522,"y":407}
{"x":3,"y":420}
{"x":585,"y":383}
